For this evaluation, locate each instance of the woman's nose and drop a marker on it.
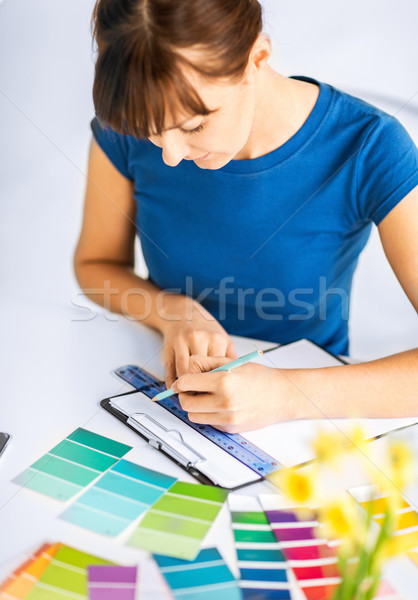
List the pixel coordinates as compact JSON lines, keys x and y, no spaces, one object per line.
{"x":174,"y":148}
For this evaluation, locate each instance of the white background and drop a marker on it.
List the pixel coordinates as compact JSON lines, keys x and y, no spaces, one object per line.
{"x":55,"y":366}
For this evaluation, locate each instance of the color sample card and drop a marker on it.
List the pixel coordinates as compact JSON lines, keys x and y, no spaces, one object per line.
{"x":119,"y":497}
{"x":313,"y":561}
{"x":177,"y":523}
{"x":413,"y":555}
{"x":21,"y":581}
{"x":111,"y":582}
{"x":262,"y":565}
{"x":406,"y":533}
{"x":73,"y":464}
{"x":206,"y":578}
{"x":65,"y":577}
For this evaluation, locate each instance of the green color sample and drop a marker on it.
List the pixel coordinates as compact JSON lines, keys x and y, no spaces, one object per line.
{"x":64,"y":470}
{"x":79,"y":559}
{"x":83,"y":456}
{"x":61,"y":577}
{"x":190,"y":511}
{"x":255,"y":518}
{"x":93,"y":440}
{"x":157,"y":542}
{"x":45,"y":484}
{"x":251,"y":554}
{"x":242,"y":535}
{"x":205,"y":492}
{"x":174,"y":525}
{"x":38,"y":592}
{"x":188,"y":508}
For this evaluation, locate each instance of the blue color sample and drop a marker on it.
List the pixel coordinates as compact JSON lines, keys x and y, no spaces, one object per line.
{"x":205,"y":555}
{"x":196,"y":577}
{"x":112,"y":504}
{"x":257,"y":594}
{"x":280,"y":234}
{"x":208,"y":577}
{"x":136,"y":490}
{"x":119,"y":497}
{"x":263,"y":574}
{"x":130,"y":469}
{"x":229,"y":591}
{"x":90,"y":518}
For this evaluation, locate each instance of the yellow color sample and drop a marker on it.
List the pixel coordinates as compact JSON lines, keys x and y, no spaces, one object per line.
{"x":380,"y":505}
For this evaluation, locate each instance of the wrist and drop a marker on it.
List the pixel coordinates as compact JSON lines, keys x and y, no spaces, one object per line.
{"x":174,"y":308}
{"x":295,"y":398}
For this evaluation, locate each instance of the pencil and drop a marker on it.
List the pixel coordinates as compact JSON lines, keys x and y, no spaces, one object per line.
{"x":227,"y":367}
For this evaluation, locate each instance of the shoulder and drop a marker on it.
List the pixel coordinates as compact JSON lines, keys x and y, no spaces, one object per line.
{"x":367,"y":118}
{"x":124,"y":151}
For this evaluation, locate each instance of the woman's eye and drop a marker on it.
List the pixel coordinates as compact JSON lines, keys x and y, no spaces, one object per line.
{"x":196,"y":130}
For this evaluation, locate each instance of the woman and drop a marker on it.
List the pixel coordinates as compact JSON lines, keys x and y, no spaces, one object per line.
{"x":253,"y":195}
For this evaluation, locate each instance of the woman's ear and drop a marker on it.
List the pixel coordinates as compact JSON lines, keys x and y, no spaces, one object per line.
{"x":260,"y":53}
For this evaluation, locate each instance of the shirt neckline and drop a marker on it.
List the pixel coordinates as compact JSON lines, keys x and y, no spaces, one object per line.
{"x":277,"y":156}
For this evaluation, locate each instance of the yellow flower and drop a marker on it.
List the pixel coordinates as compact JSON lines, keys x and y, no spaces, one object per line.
{"x":297,"y":486}
{"x":357,"y":439}
{"x":342,"y":519}
{"x":397,"y":470}
{"x":401,"y":464}
{"x":328,"y":447}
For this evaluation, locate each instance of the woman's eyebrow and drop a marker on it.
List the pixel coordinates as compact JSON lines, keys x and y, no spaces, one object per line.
{"x":187,"y":120}
{"x":180,"y":124}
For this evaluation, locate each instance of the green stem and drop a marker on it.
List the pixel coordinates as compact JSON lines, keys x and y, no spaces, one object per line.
{"x":342,"y":562}
{"x":375,"y":585}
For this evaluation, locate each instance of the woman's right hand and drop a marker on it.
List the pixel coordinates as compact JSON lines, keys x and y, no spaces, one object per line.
{"x":188,"y":329}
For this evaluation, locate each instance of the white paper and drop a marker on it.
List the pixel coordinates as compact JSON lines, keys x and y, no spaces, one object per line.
{"x":290,"y":442}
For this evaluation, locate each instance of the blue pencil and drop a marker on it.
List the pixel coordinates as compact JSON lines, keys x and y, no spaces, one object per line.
{"x":227,"y":367}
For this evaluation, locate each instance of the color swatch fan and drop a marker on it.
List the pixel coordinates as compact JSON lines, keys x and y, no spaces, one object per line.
{"x":72,"y":465}
{"x":262,"y":565}
{"x":313,"y":560}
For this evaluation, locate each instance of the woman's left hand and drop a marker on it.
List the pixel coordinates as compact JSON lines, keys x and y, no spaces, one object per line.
{"x":247,"y":397}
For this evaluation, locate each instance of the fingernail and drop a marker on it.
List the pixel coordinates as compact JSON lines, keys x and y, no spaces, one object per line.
{"x":174,"y":386}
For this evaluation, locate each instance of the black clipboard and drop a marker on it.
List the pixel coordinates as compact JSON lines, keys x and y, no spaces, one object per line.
{"x":201,"y":477}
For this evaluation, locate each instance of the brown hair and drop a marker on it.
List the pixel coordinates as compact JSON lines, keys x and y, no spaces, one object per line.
{"x":138,"y":76}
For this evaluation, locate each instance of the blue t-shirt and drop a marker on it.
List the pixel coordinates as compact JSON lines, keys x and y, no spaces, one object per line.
{"x":269,"y":245}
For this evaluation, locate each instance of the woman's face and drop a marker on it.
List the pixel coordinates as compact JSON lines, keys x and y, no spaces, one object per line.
{"x":212,"y":141}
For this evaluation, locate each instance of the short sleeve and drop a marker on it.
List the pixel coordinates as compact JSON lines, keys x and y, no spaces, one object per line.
{"x":114,"y":145}
{"x":387,"y":169}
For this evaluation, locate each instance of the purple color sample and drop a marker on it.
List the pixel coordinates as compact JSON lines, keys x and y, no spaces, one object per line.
{"x":281,"y":516}
{"x":121,"y":582}
{"x":298,"y":533}
{"x":111,"y":594}
{"x":111,"y":574}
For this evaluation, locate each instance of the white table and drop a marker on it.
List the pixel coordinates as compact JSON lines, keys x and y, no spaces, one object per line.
{"x":57,"y":364}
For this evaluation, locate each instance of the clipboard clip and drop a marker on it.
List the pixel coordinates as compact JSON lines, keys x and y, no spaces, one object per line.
{"x":168,"y":440}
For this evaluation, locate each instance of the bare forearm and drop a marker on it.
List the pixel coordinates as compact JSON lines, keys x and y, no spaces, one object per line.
{"x":387,"y":387}
{"x":118,"y":289}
